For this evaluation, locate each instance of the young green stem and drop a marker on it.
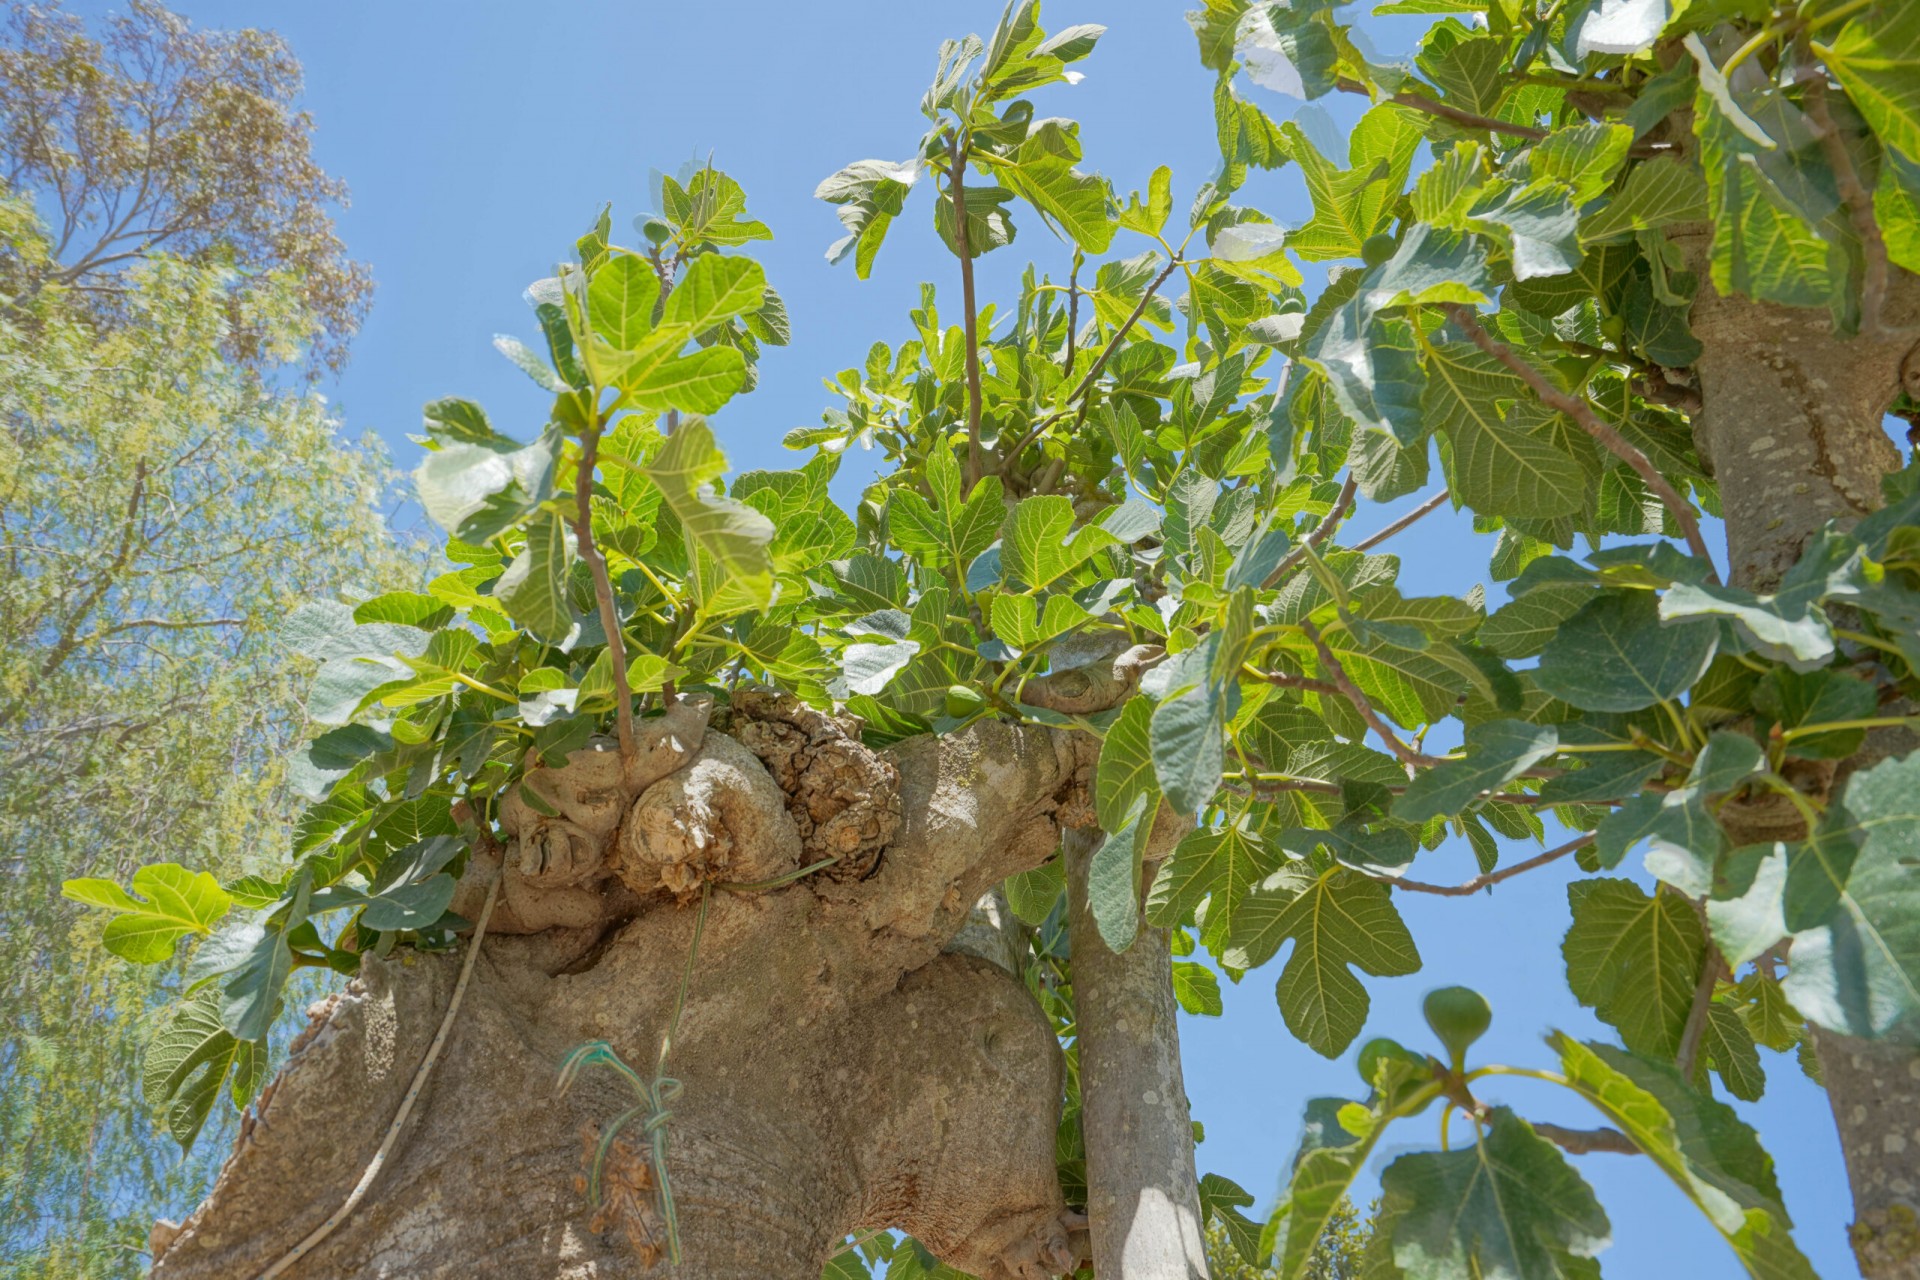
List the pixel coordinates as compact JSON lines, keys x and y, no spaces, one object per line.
{"x":957,"y":185}
{"x":603,"y":589}
{"x":1085,"y":384}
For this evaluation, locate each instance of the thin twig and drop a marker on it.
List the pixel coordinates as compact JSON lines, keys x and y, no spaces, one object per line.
{"x":1711,"y":967}
{"x":1581,"y":412}
{"x":1073,"y":314}
{"x":1113,"y":344}
{"x":1321,"y":532}
{"x":1425,"y":509}
{"x":1859,"y":202}
{"x":420,"y":1075}
{"x":1580,"y":1142}
{"x":1241,"y":784}
{"x":1086,"y":383}
{"x":169,"y":624}
{"x":1352,"y":692}
{"x":956,"y":183}
{"x":1468,"y":120}
{"x":603,"y":589}
{"x":1468,"y":888}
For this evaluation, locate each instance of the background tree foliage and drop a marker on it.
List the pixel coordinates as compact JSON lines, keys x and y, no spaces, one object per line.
{"x":152,"y":138}
{"x":160,"y":499}
{"x":1530,"y":226}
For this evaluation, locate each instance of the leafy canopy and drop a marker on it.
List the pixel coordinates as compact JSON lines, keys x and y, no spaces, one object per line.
{"x":1161,"y":454}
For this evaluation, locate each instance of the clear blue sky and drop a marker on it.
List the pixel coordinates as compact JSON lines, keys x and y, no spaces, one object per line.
{"x":480,"y":138}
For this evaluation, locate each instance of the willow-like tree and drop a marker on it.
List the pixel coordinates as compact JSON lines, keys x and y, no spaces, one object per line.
{"x":723,"y":775}
{"x":166,"y":491}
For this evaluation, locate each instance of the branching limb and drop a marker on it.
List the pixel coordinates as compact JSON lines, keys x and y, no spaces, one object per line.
{"x":1119,"y":335}
{"x":1321,"y":532}
{"x":1271,"y":784}
{"x":1306,"y":684}
{"x":1468,"y":120}
{"x":1352,"y":693}
{"x":1470,"y":887}
{"x":1085,"y":384}
{"x":1581,"y":412}
{"x":1711,"y":969}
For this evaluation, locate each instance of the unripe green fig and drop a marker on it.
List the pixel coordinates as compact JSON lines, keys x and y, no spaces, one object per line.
{"x":1380,"y":1050}
{"x":963,"y":702}
{"x":1459,"y":1016}
{"x":1378,"y":249}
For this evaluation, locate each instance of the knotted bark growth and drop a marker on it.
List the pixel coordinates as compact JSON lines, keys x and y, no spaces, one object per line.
{"x":841,"y":1072}
{"x":1792,"y":426}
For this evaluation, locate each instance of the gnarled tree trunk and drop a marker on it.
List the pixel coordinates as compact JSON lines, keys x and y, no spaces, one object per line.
{"x":1791,"y":425}
{"x":841,"y":1072}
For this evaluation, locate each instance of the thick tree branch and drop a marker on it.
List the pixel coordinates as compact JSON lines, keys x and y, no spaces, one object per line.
{"x":1581,"y":412}
{"x":169,"y":624}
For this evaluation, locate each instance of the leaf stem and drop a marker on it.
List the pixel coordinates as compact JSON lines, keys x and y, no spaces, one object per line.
{"x":479,"y":687}
{"x":1837,"y":726}
{"x":1758,"y":41}
{"x":1837,"y":15}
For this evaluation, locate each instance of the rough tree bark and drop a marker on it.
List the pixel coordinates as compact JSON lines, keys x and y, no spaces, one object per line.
{"x":1142,"y":1195}
{"x":841,"y":1071}
{"x":1791,"y":425}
